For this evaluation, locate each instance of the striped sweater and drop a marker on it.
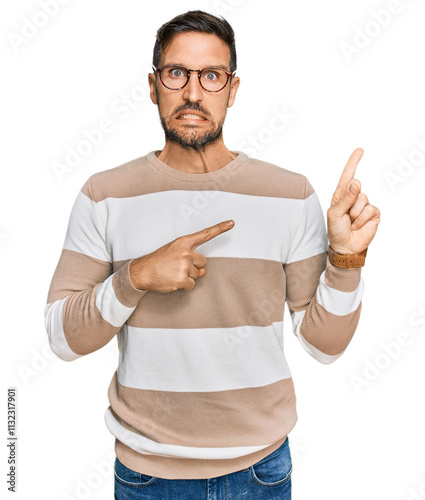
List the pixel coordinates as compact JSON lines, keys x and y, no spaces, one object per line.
{"x":202,"y":387}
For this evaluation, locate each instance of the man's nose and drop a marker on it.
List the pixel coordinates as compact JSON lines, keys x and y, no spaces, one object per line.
{"x":193,"y":91}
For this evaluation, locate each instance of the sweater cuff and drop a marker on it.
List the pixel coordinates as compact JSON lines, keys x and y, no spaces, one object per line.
{"x":126,"y":293}
{"x":339,"y":278}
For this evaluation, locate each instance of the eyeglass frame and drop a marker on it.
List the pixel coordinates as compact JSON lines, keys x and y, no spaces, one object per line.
{"x":199,"y":71}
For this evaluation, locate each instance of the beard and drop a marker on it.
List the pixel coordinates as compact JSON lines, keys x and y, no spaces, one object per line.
{"x":191,"y":139}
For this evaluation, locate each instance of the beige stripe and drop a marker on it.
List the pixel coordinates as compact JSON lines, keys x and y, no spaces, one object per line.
{"x":86,"y":189}
{"x":123,"y":288}
{"x":85,"y":329}
{"x":327,"y":332}
{"x":308,"y":189}
{"x":231,"y":306}
{"x":254,"y":177}
{"x":302,"y":280}
{"x":207,"y":419}
{"x":345,"y":280}
{"x":187,"y":468}
{"x":76,"y":271}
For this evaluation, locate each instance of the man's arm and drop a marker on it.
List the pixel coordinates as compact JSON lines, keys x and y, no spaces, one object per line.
{"x":87,"y":304}
{"x":324,"y":301}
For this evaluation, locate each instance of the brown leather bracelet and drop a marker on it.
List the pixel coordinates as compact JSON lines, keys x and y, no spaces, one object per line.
{"x":347,"y":260}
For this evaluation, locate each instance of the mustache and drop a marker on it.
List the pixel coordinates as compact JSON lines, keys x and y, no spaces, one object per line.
{"x":192,"y":107}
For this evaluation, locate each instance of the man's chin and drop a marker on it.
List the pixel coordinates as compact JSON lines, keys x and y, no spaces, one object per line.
{"x":192,"y":145}
{"x":194,"y":142}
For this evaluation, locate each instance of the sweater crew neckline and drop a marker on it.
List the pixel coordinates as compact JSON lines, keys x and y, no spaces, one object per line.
{"x":228,"y":169}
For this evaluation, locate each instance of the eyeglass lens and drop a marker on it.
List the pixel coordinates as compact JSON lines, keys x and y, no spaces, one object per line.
{"x":175,"y":77}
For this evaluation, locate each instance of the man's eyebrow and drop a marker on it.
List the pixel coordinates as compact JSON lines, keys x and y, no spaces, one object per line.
{"x":221,"y":66}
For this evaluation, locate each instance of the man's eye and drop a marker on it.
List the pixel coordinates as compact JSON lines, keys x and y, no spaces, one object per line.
{"x":211,"y":75}
{"x":176,"y":73}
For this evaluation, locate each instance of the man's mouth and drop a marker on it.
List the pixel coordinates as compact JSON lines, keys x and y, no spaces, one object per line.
{"x":190,"y":116}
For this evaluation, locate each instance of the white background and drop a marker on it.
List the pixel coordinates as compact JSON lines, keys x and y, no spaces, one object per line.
{"x":70,"y":74}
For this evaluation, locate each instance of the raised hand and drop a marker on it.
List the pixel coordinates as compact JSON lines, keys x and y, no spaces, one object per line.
{"x":352,"y":221}
{"x":175,"y":265}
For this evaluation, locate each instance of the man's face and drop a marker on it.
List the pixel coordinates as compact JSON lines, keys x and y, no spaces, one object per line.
{"x":194,"y":51}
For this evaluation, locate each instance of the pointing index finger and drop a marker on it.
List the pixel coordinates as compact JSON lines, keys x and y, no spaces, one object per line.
{"x":350,"y":168}
{"x":200,"y":237}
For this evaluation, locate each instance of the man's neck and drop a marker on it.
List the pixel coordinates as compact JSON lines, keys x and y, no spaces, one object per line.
{"x":213,"y":158}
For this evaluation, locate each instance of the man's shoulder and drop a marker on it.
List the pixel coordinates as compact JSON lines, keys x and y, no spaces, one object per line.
{"x":288,"y":183}
{"x":116,"y":182}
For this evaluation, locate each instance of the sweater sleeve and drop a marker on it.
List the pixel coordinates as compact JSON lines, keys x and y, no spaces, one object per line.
{"x":87,"y":303}
{"x":324,"y":301}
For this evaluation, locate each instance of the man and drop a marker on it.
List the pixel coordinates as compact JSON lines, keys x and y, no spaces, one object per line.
{"x":202,"y":401}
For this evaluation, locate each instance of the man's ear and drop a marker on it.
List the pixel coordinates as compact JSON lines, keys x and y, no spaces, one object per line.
{"x":152,"y":86}
{"x":233,"y":90}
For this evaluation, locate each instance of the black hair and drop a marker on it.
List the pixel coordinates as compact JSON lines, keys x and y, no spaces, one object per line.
{"x":194,"y":21}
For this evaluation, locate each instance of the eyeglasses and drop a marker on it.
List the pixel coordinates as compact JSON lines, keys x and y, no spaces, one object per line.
{"x":175,"y":77}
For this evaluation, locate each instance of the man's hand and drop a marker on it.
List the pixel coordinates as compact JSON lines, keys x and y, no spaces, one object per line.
{"x":352,"y":221}
{"x":175,"y":265}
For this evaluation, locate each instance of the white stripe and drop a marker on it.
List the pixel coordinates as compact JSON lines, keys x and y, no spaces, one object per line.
{"x":54,"y":327}
{"x":201,"y":359}
{"x":134,"y":232}
{"x":86,"y":231}
{"x":146,"y":446}
{"x":337,"y":302}
{"x":310,"y":237}
{"x":297,"y":319}
{"x":109,"y":306}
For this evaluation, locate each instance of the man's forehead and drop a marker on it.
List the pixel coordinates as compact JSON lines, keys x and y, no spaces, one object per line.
{"x":197,"y":50}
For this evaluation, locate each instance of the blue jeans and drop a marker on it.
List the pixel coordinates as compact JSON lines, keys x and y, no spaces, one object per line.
{"x":270,"y":479}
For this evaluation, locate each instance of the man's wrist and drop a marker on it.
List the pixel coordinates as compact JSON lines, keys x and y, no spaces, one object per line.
{"x":346,"y":260}
{"x":136,"y":278}
{"x":340,"y":250}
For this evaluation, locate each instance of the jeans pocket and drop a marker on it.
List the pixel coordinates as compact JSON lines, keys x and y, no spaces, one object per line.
{"x":131,"y":478}
{"x":275,"y":469}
